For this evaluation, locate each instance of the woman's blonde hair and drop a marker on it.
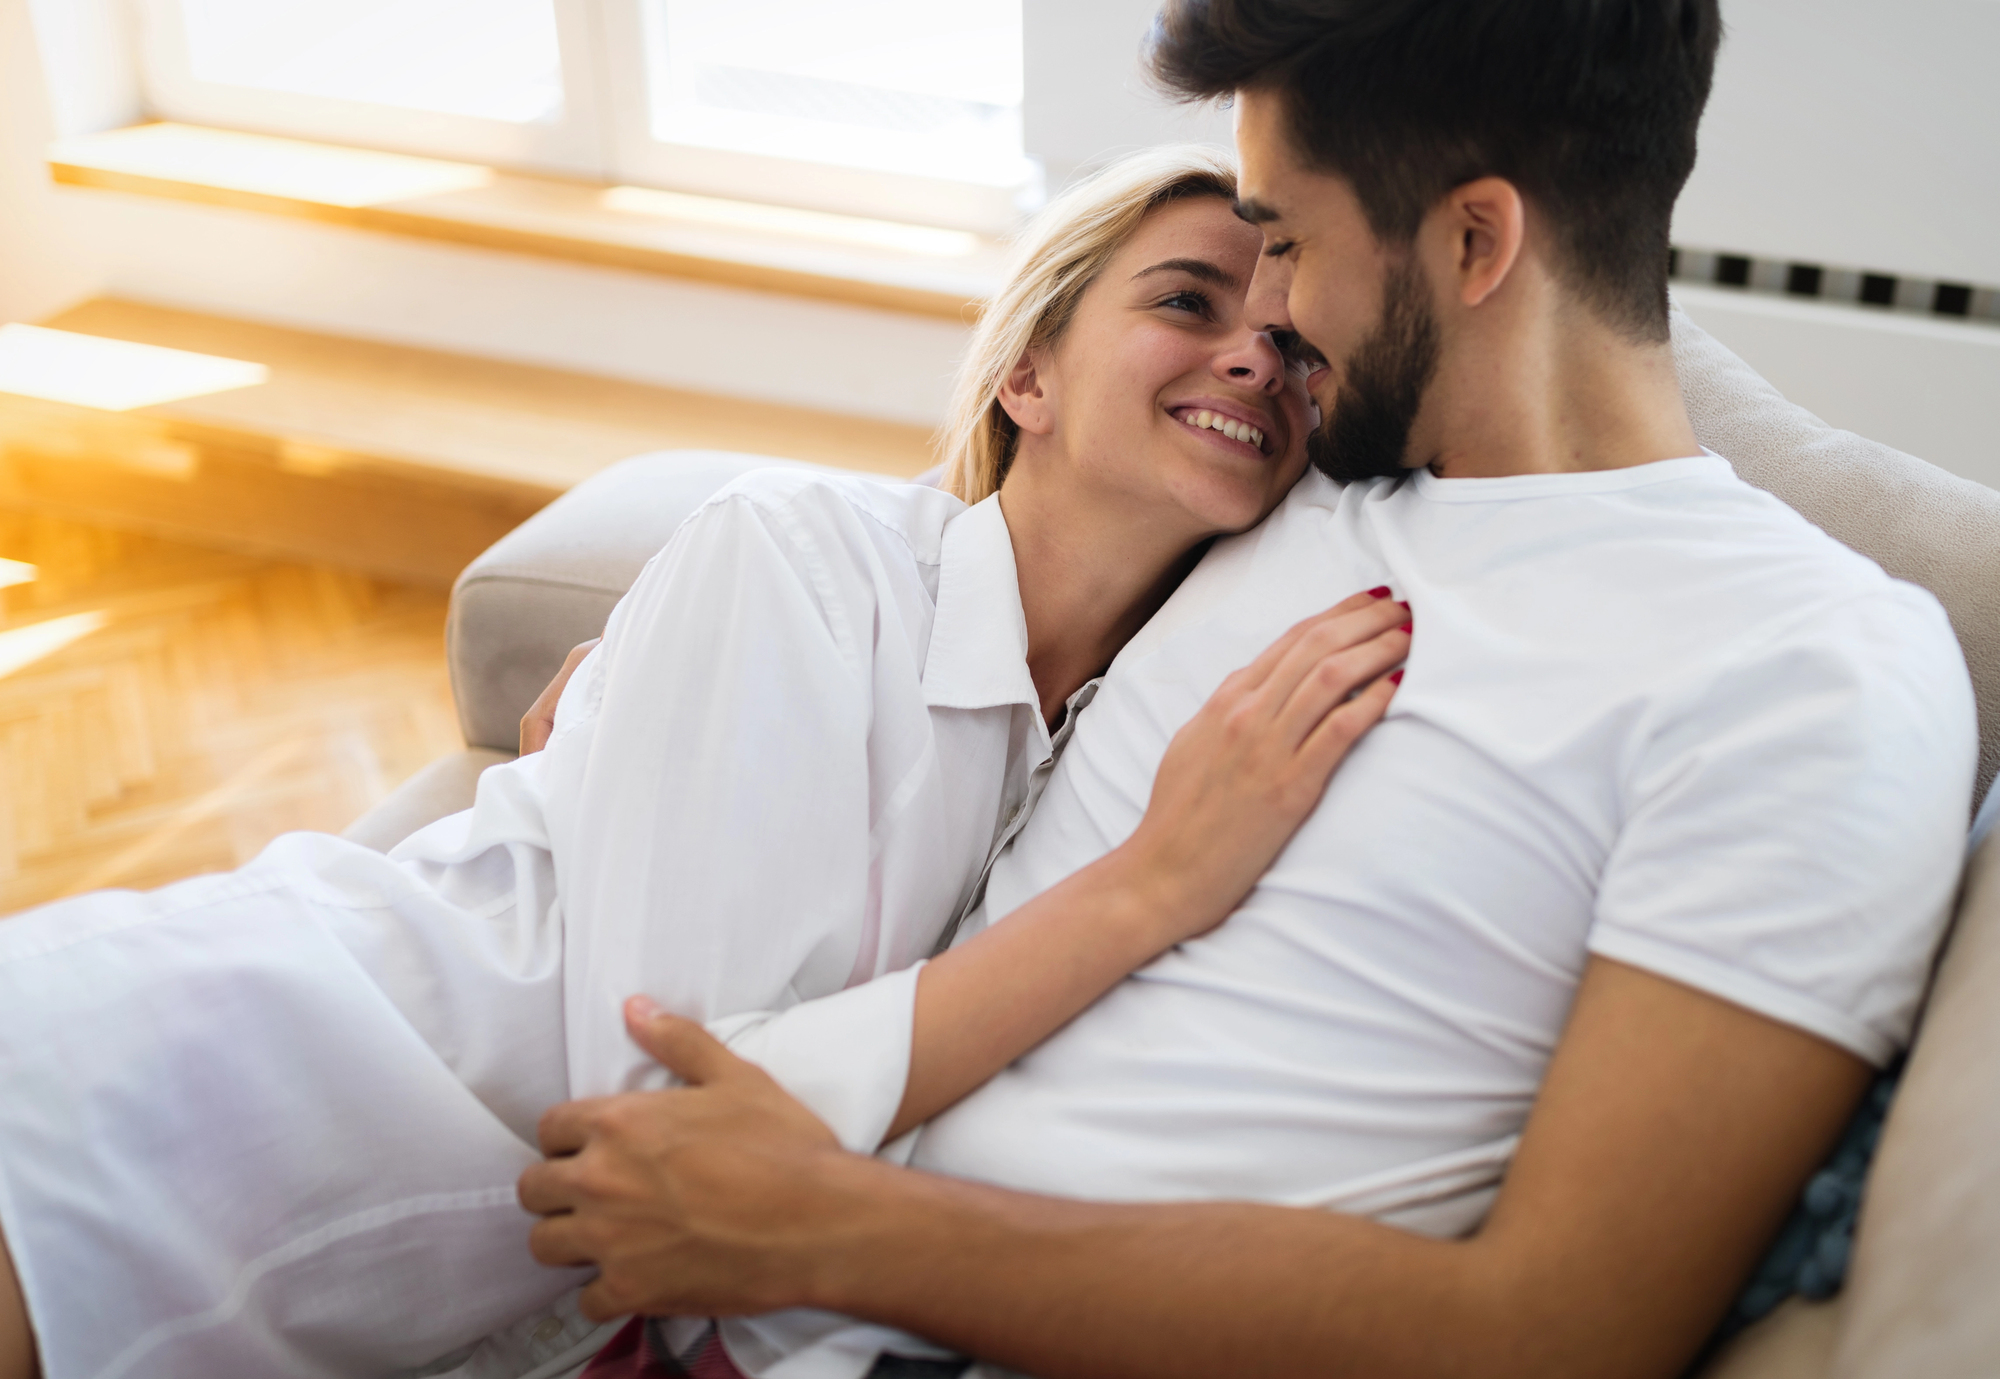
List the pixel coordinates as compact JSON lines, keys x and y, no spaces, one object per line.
{"x":1057,"y":256}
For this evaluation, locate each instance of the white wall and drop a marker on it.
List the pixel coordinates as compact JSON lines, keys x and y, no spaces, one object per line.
{"x":40,"y":269}
{"x":1087,"y":100}
{"x":1855,"y":134}
{"x":1860,"y":134}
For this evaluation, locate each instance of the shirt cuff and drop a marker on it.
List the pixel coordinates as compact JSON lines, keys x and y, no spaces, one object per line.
{"x":846,"y":1056}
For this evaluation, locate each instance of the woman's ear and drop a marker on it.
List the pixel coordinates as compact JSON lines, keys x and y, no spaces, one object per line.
{"x":1024,"y":397}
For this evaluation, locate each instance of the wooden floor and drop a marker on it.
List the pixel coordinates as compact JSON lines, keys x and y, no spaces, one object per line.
{"x":167,"y":709}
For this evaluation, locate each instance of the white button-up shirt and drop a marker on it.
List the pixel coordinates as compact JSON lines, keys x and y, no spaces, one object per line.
{"x":781,"y":775}
{"x":808,"y":730}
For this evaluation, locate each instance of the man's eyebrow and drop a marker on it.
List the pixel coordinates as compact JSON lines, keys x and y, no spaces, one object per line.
{"x":1255,"y":211}
{"x":1194,"y":268}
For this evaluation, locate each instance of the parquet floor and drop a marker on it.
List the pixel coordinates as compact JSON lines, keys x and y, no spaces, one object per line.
{"x":167,"y":709}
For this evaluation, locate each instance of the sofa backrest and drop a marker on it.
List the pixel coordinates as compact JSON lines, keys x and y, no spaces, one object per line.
{"x":1915,"y":520}
{"x":551,"y":582}
{"x":1923,"y":1293}
{"x":1920,"y":1296}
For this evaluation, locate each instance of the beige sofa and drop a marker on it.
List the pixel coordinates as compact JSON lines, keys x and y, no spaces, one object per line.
{"x":1923,"y":1295}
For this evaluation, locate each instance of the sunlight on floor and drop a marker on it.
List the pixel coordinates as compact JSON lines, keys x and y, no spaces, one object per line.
{"x":112,"y":375}
{"x":23,"y":646}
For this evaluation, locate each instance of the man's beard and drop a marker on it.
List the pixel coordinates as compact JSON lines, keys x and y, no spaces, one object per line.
{"x":1382,"y":384}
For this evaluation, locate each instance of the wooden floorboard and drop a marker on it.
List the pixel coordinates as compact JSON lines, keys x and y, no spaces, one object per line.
{"x":167,"y":709}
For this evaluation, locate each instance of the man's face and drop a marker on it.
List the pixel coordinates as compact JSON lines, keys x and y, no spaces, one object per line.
{"x":1324,"y":275}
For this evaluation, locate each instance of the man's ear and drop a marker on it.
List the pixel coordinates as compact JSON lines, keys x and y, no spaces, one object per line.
{"x":1024,"y":397}
{"x":1487,"y":223}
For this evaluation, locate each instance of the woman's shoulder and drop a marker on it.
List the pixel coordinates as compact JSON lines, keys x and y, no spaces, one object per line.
{"x":816,"y":506}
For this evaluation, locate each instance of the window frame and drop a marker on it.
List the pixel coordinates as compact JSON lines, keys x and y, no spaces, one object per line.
{"x":604,"y":133}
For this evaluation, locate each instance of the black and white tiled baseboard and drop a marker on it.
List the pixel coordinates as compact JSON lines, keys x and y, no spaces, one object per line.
{"x":1887,"y":291}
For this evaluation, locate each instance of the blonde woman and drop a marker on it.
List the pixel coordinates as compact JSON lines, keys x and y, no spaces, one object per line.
{"x":271,"y":1122}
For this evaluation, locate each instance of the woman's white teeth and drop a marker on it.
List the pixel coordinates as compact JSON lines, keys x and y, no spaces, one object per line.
{"x":1235,"y":430}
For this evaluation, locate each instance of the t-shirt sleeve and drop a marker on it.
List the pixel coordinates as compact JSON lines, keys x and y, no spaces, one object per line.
{"x":1794,"y":822}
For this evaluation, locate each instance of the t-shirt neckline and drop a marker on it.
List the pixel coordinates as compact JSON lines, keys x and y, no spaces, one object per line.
{"x":1512,"y":486}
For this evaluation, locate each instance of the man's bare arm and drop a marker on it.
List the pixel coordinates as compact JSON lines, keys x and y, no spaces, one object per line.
{"x":17,"y":1338}
{"x":1672,"y":1133}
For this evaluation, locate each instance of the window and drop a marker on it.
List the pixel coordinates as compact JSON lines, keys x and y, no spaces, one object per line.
{"x":905,"y":109}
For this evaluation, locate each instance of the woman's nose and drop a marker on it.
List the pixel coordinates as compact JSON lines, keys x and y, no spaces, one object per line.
{"x":1253,"y":362}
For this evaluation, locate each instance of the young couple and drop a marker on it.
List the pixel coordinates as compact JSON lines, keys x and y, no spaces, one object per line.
{"x":1639,"y":875}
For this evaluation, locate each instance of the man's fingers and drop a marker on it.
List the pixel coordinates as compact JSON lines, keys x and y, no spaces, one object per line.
{"x":539,"y":722}
{"x":597,"y":1302}
{"x":565,"y":1128}
{"x":545,"y":1188}
{"x":682,"y":1047}
{"x":558,"y":1243}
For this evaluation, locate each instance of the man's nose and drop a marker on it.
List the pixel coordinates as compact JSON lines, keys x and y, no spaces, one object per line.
{"x":1267,"y":307}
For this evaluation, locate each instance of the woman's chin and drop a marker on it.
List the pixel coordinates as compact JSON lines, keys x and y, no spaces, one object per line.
{"x":1229,"y":503}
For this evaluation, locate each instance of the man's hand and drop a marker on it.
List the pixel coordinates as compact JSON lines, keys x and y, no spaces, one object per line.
{"x":684,"y":1199}
{"x":540,"y":719}
{"x":1671,"y":1135}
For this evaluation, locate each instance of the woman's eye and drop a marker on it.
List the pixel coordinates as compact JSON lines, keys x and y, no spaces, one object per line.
{"x":1188,"y":301}
{"x":1280,"y":249}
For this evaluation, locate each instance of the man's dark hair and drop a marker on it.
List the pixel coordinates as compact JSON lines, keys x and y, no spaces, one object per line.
{"x":1588,"y":107}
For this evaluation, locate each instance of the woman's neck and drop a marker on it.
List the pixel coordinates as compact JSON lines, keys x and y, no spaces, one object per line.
{"x":1090,"y":578}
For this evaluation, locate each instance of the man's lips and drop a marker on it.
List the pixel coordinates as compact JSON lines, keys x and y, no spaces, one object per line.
{"x":1230,"y":421}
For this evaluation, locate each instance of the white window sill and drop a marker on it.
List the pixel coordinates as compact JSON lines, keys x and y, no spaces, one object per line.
{"x":919,"y":270}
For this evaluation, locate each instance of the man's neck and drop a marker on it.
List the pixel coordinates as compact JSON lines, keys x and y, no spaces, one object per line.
{"x":1547,"y":387}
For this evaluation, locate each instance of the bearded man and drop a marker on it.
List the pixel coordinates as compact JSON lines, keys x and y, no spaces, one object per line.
{"x":1519,"y":1053}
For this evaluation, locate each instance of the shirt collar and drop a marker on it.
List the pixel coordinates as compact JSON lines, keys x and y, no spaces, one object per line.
{"x":978,"y":656}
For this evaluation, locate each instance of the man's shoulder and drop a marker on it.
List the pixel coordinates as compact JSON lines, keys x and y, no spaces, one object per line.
{"x":1793,"y":572}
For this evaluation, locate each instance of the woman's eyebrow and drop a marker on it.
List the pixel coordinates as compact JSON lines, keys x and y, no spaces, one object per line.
{"x":1194,"y":268}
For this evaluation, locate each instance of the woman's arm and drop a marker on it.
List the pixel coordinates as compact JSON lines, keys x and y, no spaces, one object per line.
{"x":1235,"y":784}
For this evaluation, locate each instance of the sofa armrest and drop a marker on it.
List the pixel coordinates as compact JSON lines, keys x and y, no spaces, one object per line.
{"x":551,"y":582}
{"x":446,"y":786}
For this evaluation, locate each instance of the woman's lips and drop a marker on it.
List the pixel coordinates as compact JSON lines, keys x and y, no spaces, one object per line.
{"x":1235,"y":428}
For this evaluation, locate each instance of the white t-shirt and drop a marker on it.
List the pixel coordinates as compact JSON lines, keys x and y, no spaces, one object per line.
{"x":1650,"y":713}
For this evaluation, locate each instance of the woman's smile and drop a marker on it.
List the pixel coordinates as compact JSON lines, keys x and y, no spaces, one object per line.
{"x":1232,"y":424}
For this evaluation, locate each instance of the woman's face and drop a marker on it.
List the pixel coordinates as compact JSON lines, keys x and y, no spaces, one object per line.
{"x":1162,"y":395}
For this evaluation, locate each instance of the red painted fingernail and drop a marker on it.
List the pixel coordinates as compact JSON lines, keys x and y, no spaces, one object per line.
{"x":1404,"y":605}
{"x":1395,"y":677}
{"x":1380,"y":591}
{"x":1405,"y":627}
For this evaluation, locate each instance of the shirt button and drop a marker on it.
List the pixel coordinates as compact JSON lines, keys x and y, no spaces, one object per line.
{"x":550,"y":1328}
